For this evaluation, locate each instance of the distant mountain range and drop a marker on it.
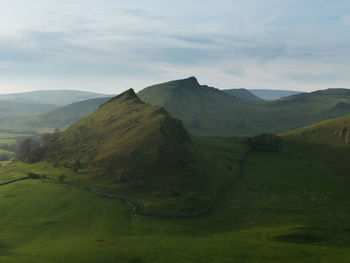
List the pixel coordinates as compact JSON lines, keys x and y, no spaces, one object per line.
{"x":269,"y":94}
{"x":53,"y":97}
{"x":14,"y":109}
{"x":242,"y":94}
{"x":203,"y":110}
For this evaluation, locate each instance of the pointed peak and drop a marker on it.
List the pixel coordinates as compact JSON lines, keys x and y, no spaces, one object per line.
{"x":130,"y":93}
{"x":126,"y":95}
{"x":190,"y":81}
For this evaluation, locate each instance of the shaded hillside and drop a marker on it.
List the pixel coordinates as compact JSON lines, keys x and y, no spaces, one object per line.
{"x":267,"y":94}
{"x":124,"y":139}
{"x":242,"y":94}
{"x":54,"y":97}
{"x":205,"y":110}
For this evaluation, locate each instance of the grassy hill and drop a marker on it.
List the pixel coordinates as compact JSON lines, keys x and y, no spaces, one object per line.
{"x":124,"y":134}
{"x":56,"y":117}
{"x":205,"y":110}
{"x":269,"y":94}
{"x":242,"y":94}
{"x":210,"y":112}
{"x":53,"y":97}
{"x":328,"y":141}
{"x":304,"y":109}
{"x":280,"y":211}
{"x":132,"y":148}
{"x":333,"y":132}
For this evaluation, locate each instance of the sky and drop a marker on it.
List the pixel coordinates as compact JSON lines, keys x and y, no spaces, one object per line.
{"x":109,"y":46}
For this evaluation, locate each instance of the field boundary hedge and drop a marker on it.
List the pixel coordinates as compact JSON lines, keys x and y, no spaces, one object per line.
{"x":209,"y":209}
{"x":16,"y":180}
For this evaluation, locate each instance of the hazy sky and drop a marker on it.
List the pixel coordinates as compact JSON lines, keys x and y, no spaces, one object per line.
{"x":111,"y":45}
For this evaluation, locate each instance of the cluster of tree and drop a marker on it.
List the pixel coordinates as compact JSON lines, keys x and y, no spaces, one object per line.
{"x":32,"y":150}
{"x":265,"y":142}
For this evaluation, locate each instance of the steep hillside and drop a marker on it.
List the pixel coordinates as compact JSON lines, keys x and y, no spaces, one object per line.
{"x":125,"y":139}
{"x":267,"y":94}
{"x":205,"y":110}
{"x":242,"y":94}
{"x":54,"y":97}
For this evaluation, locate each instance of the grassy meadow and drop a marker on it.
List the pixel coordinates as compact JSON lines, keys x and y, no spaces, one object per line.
{"x":280,"y":211}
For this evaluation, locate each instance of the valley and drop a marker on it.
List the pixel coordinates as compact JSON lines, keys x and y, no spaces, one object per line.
{"x":128,"y":181}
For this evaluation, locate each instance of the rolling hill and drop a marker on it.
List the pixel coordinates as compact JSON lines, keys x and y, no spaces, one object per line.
{"x":205,"y":110}
{"x":333,"y":132}
{"x":65,"y":116}
{"x":269,"y":94}
{"x":124,"y":135}
{"x":53,"y":97}
{"x":210,"y":112}
{"x":327,"y":141}
{"x":46,"y":118}
{"x":129,"y":147}
{"x":307,"y":108}
{"x":242,"y":94}
{"x":12,"y":109}
{"x":268,"y":206}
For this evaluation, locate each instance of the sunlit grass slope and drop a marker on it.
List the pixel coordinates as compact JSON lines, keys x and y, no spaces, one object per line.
{"x":327,"y":141}
{"x":130,"y":148}
{"x":281,"y":211}
{"x":124,"y":137}
{"x":333,"y":132}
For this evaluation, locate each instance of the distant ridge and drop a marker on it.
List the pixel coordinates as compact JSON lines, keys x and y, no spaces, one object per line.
{"x":53,"y":97}
{"x":242,"y":94}
{"x":267,"y":94}
{"x":204,"y":110}
{"x":65,"y":116}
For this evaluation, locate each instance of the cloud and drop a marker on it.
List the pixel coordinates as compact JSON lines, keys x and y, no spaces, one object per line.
{"x":304,"y":45}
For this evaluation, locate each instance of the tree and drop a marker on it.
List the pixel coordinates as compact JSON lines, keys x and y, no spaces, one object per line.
{"x":265,"y":142}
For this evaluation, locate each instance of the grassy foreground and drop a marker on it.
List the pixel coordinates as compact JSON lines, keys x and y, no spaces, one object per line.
{"x":281,"y":211}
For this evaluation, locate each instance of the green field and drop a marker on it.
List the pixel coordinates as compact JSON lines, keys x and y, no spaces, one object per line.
{"x":10,"y":138}
{"x":281,"y":211}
